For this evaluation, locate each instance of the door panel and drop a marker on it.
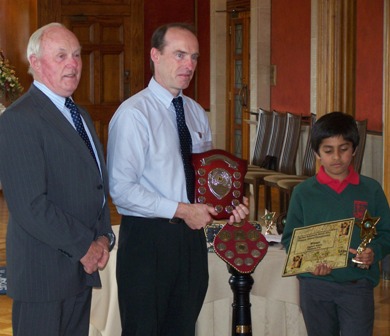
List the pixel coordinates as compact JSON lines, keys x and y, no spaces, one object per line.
{"x":103,"y":52}
{"x":111,"y":35}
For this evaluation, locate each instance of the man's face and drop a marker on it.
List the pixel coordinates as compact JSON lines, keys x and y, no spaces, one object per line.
{"x":174,"y":67}
{"x":59,"y":65}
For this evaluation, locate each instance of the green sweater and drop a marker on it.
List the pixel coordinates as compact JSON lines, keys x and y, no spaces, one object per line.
{"x":313,"y":203}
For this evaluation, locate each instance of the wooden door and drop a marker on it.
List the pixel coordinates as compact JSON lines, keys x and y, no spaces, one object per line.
{"x":111,"y":35}
{"x":238,"y":57}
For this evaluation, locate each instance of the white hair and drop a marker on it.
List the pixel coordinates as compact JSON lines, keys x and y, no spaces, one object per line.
{"x":34,"y":43}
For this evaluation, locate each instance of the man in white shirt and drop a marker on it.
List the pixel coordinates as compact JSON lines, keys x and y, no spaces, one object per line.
{"x":162,"y":270}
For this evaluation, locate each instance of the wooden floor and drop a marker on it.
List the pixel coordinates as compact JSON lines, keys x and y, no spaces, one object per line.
{"x":382,"y":291}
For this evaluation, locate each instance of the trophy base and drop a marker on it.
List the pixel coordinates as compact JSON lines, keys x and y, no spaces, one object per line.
{"x":359,"y":264}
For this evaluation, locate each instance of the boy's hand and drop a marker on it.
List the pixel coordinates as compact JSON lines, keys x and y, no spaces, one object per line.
{"x":366,"y":257}
{"x":322,"y":269}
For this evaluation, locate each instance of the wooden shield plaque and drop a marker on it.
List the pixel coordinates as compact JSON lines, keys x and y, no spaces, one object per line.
{"x":241,"y":245}
{"x":219,"y":180}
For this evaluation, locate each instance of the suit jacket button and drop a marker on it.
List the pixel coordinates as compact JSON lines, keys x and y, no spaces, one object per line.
{"x":100,"y":187}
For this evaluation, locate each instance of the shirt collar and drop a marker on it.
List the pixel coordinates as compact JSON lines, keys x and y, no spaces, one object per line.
{"x":336,"y":185}
{"x":55,"y":98}
{"x":163,"y":94}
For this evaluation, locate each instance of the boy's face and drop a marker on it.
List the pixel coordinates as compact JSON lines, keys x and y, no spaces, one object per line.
{"x":336,"y":155}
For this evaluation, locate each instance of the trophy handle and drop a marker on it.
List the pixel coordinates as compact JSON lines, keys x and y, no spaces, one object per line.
{"x":206,"y":161}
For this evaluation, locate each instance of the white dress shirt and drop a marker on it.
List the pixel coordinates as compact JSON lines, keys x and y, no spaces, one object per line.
{"x":145,"y":167}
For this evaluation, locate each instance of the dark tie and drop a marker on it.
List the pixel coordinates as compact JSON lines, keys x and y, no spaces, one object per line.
{"x":186,"y":147}
{"x":74,"y":112}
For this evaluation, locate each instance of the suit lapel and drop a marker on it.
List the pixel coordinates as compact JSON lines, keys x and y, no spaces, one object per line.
{"x":51,"y":114}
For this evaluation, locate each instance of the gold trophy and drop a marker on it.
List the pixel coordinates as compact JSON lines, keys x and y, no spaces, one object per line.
{"x":269,"y":221}
{"x":367,"y":233}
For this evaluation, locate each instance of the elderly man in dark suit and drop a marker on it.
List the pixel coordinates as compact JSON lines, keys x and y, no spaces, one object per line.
{"x":55,"y":184}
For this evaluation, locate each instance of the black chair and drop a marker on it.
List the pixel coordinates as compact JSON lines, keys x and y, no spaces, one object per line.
{"x":270,"y":160}
{"x":359,"y":153}
{"x":286,"y":161}
{"x":308,"y":169}
{"x":263,"y":134}
{"x":275,"y":142}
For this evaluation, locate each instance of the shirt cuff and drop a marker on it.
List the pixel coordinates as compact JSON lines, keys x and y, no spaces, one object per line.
{"x":166,"y":208}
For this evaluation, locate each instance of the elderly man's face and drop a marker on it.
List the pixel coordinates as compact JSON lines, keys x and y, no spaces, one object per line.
{"x":59,"y":65}
{"x":174,"y":67}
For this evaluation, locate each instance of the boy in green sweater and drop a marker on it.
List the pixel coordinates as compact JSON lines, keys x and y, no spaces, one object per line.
{"x":339,"y":301}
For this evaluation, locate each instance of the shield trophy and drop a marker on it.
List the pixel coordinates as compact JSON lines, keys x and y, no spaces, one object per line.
{"x":219,"y":182}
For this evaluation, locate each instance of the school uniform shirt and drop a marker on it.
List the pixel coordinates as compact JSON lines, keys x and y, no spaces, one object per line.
{"x":319,"y":199}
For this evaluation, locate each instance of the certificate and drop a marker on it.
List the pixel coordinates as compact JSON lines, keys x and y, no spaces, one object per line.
{"x":320,"y":243}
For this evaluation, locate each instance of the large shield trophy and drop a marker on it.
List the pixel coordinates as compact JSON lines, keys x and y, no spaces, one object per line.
{"x":219,"y":182}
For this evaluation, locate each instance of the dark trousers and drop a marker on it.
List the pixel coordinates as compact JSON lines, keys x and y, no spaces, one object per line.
{"x":162,"y":277}
{"x":69,"y":317}
{"x":334,"y":309}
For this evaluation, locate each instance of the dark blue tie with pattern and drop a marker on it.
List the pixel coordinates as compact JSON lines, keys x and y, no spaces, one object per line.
{"x":74,"y":112}
{"x":186,"y":147}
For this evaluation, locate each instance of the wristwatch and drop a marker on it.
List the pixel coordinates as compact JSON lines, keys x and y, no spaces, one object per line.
{"x":111,"y":238}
